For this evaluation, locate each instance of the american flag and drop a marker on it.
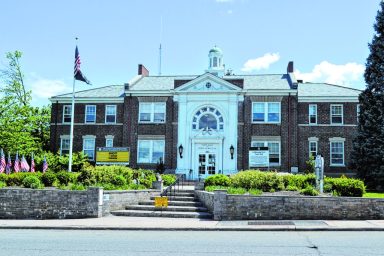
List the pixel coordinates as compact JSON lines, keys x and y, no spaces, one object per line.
{"x":8,"y":168}
{"x":77,"y":72}
{"x":32,"y":164}
{"x":24,"y":165}
{"x":3,"y":164}
{"x":16,"y":165}
{"x":45,"y":165}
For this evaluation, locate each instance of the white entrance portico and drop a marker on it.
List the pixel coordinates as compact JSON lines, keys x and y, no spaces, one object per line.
{"x":207,"y":126}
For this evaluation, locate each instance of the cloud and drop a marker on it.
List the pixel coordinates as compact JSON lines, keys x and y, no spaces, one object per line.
{"x":223,"y":1}
{"x":45,"y":88}
{"x":261,"y":62}
{"x":333,"y":74}
{"x":229,"y":12}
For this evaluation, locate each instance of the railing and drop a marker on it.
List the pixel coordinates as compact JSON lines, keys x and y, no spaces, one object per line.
{"x":171,"y":190}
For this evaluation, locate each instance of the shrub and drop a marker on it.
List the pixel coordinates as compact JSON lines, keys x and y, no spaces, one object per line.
{"x":16,"y":179}
{"x":3,"y":184}
{"x":309,"y":191}
{"x":65,"y":177}
{"x":310,"y":165}
{"x":57,"y":163}
{"x":300,"y":181}
{"x":3,"y":177}
{"x":236,"y":191}
{"x":31,"y":182}
{"x":119,"y":181}
{"x":87,"y":177}
{"x":255,"y":192}
{"x":217,"y":180}
{"x":292,"y":188}
{"x":168,"y":179}
{"x":265,"y":181}
{"x":76,"y":186}
{"x":212,"y":188}
{"x":345,"y":186}
{"x":48,"y":179}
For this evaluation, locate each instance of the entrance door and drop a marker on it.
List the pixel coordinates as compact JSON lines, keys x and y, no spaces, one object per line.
{"x":207,"y":164}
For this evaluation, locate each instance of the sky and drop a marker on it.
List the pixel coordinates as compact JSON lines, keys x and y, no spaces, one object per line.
{"x":327,"y":39}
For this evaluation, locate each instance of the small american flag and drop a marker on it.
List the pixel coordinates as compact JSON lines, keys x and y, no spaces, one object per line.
{"x":24,"y":165}
{"x":77,"y":72}
{"x":3,"y":164}
{"x":45,"y":165}
{"x":32,"y":164}
{"x":8,"y":168}
{"x":16,"y":165}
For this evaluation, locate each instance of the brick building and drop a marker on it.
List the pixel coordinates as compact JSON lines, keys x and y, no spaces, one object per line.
{"x":206,"y":124}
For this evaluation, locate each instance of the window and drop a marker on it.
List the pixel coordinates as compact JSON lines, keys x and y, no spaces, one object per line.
{"x":89,"y":147}
{"x":64,"y":145}
{"x":214,"y":62}
{"x":336,"y":114}
{"x":312,"y":114}
{"x":152,"y":112}
{"x":110,"y":114}
{"x":358,"y":112}
{"x":150,"y":151}
{"x":109,"y":142}
{"x":313,"y":148}
{"x":337,"y":153}
{"x":274,"y":150}
{"x":266,"y":112}
{"x":90,"y":114}
{"x":67,"y":114}
{"x":208,"y":117}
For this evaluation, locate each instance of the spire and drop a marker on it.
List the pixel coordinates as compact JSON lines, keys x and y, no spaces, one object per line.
{"x":216,"y":64}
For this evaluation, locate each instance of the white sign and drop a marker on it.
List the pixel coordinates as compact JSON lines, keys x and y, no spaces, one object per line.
{"x":258,"y":157}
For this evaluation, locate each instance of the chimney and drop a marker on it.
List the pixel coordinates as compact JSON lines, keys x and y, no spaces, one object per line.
{"x":142,"y":70}
{"x":290,"y":67}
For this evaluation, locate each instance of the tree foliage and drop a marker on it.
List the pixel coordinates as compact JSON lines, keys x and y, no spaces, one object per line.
{"x":368,"y":152}
{"x":23,"y":128}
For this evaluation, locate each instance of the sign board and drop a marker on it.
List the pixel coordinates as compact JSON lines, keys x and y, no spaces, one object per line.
{"x":258,"y":157}
{"x":113,"y":155}
{"x":161,"y":201}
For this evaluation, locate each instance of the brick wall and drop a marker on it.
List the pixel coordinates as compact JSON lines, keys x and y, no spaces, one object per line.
{"x":20,"y":203}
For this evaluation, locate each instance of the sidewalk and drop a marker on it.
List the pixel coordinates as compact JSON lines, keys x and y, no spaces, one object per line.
{"x":143,"y":223}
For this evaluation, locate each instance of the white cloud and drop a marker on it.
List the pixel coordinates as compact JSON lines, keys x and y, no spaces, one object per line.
{"x":45,"y":88}
{"x":333,"y":74}
{"x":260,"y":63}
{"x":229,"y":12}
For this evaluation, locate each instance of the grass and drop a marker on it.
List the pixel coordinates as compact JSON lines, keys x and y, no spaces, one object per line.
{"x":374,"y":195}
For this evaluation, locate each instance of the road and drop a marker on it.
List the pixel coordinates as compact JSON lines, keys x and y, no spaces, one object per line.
{"x":84,"y":242}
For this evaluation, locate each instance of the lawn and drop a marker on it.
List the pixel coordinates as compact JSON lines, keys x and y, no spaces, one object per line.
{"x":374,"y":195}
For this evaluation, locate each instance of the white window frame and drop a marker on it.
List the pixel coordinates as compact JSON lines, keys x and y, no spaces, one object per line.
{"x":266,"y":145}
{"x":86,"y":112}
{"x":152,"y":112}
{"x":357,"y":113}
{"x":342,"y":113}
{"x":70,"y":113}
{"x":309,"y":148}
{"x":151,"y":142}
{"x":109,"y":138}
{"x":266,"y":111}
{"x":115,"y":107}
{"x":309,"y":113}
{"x":330,"y":151}
{"x":64,"y":137}
{"x":86,"y":138}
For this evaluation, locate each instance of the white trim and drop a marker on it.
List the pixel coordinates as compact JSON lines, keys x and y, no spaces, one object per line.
{"x":330,"y":152}
{"x":268,"y":92}
{"x":80,"y":124}
{"x":63,"y":137}
{"x":109,"y":136}
{"x":329,"y":125}
{"x":309,"y":146}
{"x":309,"y":114}
{"x":328,"y":99}
{"x":152,"y":112}
{"x":64,"y":106}
{"x":208,"y":76}
{"x":85,"y":114}
{"x":150,"y":151}
{"x":105,"y":120}
{"x":342,"y":113}
{"x":266,"y":111}
{"x":266,"y":145}
{"x":336,"y":139}
{"x":64,"y":100}
{"x":90,"y":137}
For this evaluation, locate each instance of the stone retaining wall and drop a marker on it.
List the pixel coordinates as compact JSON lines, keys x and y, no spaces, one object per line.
{"x":119,"y":199}
{"x":206,"y":198}
{"x":21,"y":203}
{"x":246,"y":207}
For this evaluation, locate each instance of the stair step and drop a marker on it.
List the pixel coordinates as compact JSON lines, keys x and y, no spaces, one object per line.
{"x":181,"y":194}
{"x":178,"y":198}
{"x":200,"y":215}
{"x":169,"y":208}
{"x":174,"y":203}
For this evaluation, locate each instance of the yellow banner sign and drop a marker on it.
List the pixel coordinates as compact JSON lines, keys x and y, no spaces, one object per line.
{"x":161,"y":201}
{"x":112,"y":156}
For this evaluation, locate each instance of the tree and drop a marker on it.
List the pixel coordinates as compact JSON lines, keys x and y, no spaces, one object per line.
{"x":368,"y":149}
{"x":23,"y":128}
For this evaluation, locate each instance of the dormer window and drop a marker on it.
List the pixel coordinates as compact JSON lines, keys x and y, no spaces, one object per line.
{"x":208,"y":118}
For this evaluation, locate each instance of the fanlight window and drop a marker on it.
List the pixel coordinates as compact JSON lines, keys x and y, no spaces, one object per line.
{"x":208,"y":118}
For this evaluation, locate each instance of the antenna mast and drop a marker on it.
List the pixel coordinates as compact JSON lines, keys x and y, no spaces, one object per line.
{"x":161,"y":33}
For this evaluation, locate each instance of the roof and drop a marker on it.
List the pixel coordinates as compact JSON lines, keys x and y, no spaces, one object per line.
{"x":111,"y":91}
{"x":257,"y":82}
{"x":326,"y":90}
{"x":216,"y":49}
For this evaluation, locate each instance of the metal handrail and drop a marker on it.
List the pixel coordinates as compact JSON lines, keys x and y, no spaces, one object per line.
{"x":172,"y":188}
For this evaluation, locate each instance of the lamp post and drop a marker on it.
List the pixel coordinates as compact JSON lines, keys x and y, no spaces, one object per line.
{"x":231,"y":151}
{"x":181,"y":150}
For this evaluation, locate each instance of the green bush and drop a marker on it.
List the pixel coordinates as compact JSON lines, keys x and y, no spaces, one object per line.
{"x":265,"y":181}
{"x":119,"y":181}
{"x":168,"y":179}
{"x":65,"y":177}
{"x":3,"y":184}
{"x":3,"y":177}
{"x":87,"y":177}
{"x":212,"y":188}
{"x":345,"y":186}
{"x":309,"y":191}
{"x":236,"y":191}
{"x":57,"y":163}
{"x":255,"y":192}
{"x":16,"y":179}
{"x":217,"y":180}
{"x":310,"y":165}
{"x":76,"y":186}
{"x":48,"y":178}
{"x":300,"y":181}
{"x":292,"y":188}
{"x":31,"y":182}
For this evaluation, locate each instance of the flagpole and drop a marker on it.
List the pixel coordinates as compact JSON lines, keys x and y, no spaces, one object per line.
{"x":72,"y":124}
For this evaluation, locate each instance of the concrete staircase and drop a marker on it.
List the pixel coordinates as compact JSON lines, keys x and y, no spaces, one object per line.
{"x":182,"y":204}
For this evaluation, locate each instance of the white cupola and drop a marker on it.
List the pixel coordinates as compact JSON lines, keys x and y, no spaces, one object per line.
{"x":216,"y":65}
